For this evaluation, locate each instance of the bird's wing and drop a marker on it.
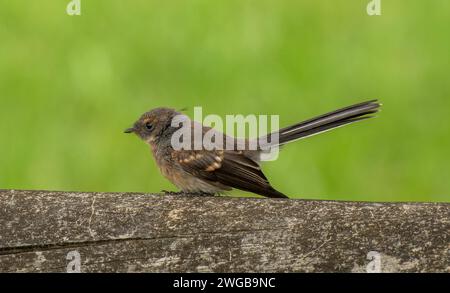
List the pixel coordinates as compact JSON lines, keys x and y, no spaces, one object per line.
{"x":230,"y":168}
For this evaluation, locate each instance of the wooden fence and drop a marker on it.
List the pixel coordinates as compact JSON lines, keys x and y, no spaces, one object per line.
{"x":44,"y":231}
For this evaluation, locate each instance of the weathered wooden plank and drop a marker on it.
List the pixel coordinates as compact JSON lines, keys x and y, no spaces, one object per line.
{"x":129,"y":232}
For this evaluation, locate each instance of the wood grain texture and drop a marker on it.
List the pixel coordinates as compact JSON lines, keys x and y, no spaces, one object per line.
{"x":129,"y":232}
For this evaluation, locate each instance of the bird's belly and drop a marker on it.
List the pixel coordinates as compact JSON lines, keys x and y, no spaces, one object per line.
{"x":188,"y":183}
{"x":182,"y":179}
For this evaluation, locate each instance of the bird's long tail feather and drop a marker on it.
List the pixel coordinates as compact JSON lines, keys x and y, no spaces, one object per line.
{"x":328,"y":121}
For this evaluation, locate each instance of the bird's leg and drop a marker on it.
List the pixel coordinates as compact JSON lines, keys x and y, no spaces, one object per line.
{"x":166,"y":192}
{"x":200,"y":193}
{"x":185,"y":193}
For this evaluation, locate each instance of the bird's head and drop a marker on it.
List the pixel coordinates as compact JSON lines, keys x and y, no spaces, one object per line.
{"x":154,"y":124}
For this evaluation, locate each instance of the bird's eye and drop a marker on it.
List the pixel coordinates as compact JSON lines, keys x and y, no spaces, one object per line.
{"x":148,"y":125}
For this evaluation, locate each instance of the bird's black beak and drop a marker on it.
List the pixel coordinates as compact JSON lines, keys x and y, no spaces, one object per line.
{"x":129,"y":130}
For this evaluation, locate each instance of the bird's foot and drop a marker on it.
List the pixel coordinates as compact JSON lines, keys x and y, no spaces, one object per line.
{"x":201,"y":194}
{"x":166,"y":192}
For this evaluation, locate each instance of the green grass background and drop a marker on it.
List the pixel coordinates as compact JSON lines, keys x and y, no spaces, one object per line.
{"x":70,"y":85}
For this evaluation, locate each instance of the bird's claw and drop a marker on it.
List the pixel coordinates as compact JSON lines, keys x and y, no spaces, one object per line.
{"x":166,"y":192}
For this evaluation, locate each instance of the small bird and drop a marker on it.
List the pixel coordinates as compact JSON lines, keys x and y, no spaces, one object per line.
{"x":212,"y":171}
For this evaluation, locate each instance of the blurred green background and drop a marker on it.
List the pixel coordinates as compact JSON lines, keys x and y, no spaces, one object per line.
{"x":69,"y":85}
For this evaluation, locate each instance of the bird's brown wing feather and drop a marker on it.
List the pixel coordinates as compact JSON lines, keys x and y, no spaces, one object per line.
{"x":230,"y":168}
